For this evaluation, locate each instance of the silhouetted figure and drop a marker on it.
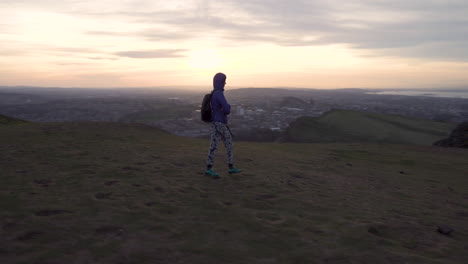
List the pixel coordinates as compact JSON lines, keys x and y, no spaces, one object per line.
{"x":219,"y":128}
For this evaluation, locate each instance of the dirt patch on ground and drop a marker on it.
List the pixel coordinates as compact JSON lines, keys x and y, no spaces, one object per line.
{"x":43,"y":182}
{"x":29,"y":235}
{"x":52,"y":212}
{"x":462,"y":214}
{"x":110,"y":183}
{"x":270,"y":217}
{"x":265,"y":197}
{"x":159,"y":189}
{"x":410,"y":236}
{"x":103,"y":196}
{"x":9,"y":226}
{"x":296,"y":175}
{"x":179,"y":165}
{"x":129,"y":168}
{"x":110,"y":230}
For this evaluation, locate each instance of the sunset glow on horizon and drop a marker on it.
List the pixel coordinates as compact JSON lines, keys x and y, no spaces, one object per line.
{"x":259,"y":43}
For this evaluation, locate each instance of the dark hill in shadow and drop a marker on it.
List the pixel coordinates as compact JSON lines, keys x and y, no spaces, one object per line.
{"x":357,"y":126}
{"x":458,"y":138}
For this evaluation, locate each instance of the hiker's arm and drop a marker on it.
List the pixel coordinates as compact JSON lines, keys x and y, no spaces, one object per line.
{"x":226,"y":107}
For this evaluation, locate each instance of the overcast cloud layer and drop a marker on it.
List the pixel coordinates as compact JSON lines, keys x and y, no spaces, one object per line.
{"x":431,"y":31}
{"x":419,"y":28}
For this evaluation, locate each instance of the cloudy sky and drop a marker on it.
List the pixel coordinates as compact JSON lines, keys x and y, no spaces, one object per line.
{"x":257,"y":43}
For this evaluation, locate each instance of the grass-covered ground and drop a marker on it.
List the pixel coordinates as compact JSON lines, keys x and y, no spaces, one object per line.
{"x":356,"y":126}
{"x":5,"y":120}
{"x":114,"y":193}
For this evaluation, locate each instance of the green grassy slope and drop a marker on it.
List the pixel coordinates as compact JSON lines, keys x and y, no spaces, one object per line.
{"x":114,"y":193}
{"x":5,"y":120}
{"x":355,"y":126}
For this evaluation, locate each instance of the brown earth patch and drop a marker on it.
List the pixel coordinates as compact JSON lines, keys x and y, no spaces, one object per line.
{"x":109,"y":230}
{"x":29,"y":235}
{"x":102,"y":196}
{"x":159,"y":189}
{"x":43,"y":182}
{"x":265,"y":196}
{"x":52,"y":212}
{"x":110,"y":183}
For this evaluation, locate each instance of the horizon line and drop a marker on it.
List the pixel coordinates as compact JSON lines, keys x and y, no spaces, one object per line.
{"x":192,"y":87}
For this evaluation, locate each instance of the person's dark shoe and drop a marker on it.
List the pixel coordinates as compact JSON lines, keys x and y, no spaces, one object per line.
{"x":234,"y":170}
{"x":211,"y":173}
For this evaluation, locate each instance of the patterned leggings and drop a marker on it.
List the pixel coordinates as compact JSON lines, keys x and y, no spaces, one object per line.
{"x":220,"y":130}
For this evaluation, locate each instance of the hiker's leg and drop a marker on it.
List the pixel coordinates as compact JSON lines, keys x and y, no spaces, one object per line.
{"x":227,"y":139}
{"x":213,"y":146}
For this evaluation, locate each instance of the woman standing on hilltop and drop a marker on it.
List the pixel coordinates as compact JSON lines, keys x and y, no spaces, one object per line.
{"x":219,"y":128}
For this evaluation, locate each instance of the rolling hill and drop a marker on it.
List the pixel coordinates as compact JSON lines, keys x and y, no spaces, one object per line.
{"x":120,"y":193}
{"x":5,"y":120}
{"x":356,"y":126}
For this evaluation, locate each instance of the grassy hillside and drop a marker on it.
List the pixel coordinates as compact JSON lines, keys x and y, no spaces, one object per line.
{"x":5,"y":120}
{"x":114,"y":193}
{"x":355,"y":126}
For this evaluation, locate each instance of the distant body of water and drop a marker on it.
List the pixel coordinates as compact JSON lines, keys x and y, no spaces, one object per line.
{"x":424,"y":93}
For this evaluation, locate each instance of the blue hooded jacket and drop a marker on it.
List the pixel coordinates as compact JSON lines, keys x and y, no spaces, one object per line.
{"x":220,"y":106}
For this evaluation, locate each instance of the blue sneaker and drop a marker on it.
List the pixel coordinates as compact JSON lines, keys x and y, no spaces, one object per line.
{"x":234,"y":170}
{"x":211,"y":173}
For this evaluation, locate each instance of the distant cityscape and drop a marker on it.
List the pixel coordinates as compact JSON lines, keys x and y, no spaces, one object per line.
{"x":253,"y":111}
{"x":276,"y":111}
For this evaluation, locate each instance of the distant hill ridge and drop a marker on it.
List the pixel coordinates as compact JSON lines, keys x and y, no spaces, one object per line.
{"x":5,"y":120}
{"x":358,"y":126}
